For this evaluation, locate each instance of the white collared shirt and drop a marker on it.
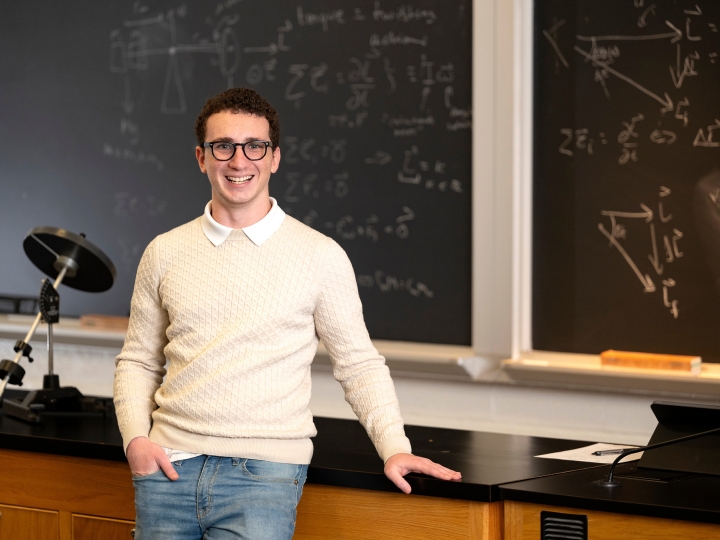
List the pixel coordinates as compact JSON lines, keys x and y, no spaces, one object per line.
{"x":258,"y":232}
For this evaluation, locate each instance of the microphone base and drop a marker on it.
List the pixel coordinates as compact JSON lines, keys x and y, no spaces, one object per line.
{"x":605,"y":483}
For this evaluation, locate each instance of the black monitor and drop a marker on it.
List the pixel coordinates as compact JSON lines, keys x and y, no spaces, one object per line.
{"x":675,"y":420}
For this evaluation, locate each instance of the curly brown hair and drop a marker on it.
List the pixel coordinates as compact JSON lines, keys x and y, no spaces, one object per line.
{"x":238,"y":100}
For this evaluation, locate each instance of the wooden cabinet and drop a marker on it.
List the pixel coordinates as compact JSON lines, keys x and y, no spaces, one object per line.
{"x":84,"y":486}
{"x":90,"y":499}
{"x":522,"y":522}
{"x":49,"y":497}
{"x":18,"y":523}
{"x":44,"y":496}
{"x":333,"y":513}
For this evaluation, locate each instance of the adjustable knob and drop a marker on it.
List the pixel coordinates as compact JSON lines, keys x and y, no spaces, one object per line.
{"x":26,"y":349}
{"x":15,"y":371}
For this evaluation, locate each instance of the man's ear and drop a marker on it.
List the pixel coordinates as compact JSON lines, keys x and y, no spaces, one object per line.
{"x":275,"y":159}
{"x":200,"y":156}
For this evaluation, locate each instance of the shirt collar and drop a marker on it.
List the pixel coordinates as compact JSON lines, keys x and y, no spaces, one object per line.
{"x":258,"y":232}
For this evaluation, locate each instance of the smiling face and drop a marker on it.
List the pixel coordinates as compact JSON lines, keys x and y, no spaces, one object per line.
{"x":240,"y":192}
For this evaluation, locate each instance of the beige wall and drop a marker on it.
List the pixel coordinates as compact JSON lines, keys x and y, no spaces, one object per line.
{"x":461,"y":405}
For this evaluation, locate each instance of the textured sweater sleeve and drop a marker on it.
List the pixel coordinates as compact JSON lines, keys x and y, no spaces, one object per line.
{"x":140,"y":365}
{"x":356,"y":363}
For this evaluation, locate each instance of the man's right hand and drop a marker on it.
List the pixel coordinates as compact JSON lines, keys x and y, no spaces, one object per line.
{"x":145,"y":457}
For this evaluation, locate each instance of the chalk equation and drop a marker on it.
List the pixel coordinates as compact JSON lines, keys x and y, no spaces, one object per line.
{"x":387,"y":283}
{"x":365,"y":78}
{"x":415,"y":170}
{"x":312,"y":186}
{"x":691,"y":35}
{"x":369,"y":227}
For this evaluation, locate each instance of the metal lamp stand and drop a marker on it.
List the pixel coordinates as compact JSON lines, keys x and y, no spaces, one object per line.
{"x":71,"y":259}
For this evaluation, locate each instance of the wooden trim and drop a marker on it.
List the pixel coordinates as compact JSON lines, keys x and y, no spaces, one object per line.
{"x":65,"y":524}
{"x":513,"y":520}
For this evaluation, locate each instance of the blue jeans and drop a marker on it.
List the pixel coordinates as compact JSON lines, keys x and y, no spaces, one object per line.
{"x":219,"y":498}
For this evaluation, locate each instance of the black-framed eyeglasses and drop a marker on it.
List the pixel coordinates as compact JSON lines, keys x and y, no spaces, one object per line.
{"x":224,"y":151}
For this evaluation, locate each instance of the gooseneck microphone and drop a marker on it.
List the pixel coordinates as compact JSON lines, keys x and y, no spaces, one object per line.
{"x":610,"y":482}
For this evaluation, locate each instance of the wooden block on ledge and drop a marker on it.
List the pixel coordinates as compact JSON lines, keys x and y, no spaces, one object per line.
{"x":671,"y":362}
{"x":104,"y":322}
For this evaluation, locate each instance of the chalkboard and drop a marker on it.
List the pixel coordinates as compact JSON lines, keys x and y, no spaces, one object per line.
{"x":626,"y":188}
{"x":96,"y":136}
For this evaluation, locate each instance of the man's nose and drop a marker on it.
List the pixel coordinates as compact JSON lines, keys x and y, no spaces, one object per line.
{"x":239,"y":158}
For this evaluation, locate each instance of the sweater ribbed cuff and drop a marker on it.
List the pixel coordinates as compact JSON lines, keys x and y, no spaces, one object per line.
{"x":390,"y":446}
{"x":132,"y":431}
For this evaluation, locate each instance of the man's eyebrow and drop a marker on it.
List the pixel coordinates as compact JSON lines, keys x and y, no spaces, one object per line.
{"x":231,"y":140}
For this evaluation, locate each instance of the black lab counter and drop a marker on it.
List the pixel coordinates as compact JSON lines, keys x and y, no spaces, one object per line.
{"x":68,"y":477}
{"x":74,"y":466}
{"x":343,"y":456}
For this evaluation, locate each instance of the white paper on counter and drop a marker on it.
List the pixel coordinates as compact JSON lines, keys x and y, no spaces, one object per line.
{"x":586,"y":454}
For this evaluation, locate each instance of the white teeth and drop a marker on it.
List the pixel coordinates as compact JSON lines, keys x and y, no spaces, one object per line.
{"x":239,"y":179}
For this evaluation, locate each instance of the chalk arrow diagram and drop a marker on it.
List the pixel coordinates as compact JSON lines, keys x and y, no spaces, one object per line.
{"x":646,"y":281}
{"x":674,"y":36}
{"x":654,"y":259}
{"x":667,"y":103}
{"x":687,"y":70}
{"x":646,"y":214}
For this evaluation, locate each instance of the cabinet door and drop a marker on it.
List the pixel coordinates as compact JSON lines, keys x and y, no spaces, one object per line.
{"x":332,"y":513}
{"x":18,"y":523}
{"x":92,"y":528}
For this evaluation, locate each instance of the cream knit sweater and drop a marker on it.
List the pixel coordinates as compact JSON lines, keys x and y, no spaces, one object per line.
{"x":232,"y":329}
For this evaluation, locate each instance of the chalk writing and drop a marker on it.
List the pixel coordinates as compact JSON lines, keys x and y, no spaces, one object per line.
{"x":312,"y":186}
{"x":387,"y":283}
{"x":370,"y":227}
{"x":405,"y":14}
{"x":130,"y":205}
{"x":309,"y":150}
{"x":131,"y":154}
{"x":305,"y":18}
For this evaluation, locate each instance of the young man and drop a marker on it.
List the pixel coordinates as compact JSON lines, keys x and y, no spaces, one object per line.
{"x":233,"y":303}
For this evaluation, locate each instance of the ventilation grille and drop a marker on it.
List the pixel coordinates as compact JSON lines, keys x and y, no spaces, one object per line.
{"x":556,"y":526}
